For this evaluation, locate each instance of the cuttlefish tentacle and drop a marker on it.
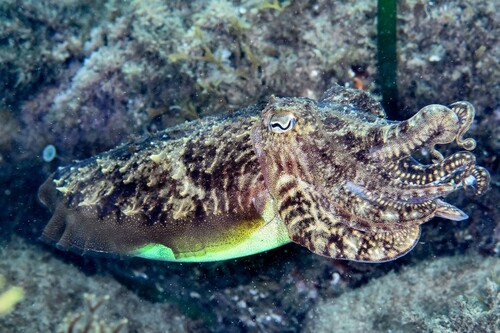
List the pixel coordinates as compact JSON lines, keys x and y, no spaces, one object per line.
{"x":438,"y":179}
{"x":450,"y":212}
{"x":376,"y":211}
{"x":364,"y":210}
{"x":433,"y":180}
{"x":409,"y":173}
{"x":465,"y":112}
{"x":411,"y":193}
{"x":480,"y":180}
{"x":434,"y":124}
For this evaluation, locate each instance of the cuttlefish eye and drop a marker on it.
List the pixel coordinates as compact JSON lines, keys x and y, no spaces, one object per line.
{"x":282,"y":123}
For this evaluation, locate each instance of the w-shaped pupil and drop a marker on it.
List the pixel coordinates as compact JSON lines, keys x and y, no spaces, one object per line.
{"x":278,"y":126}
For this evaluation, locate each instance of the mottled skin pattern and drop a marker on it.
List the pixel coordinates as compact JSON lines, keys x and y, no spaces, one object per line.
{"x":335,"y":173}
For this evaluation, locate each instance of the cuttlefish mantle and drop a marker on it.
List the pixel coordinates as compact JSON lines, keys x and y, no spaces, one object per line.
{"x":333,"y":175}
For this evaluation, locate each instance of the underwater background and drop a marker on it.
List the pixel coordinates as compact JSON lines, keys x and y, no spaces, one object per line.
{"x":80,"y":77}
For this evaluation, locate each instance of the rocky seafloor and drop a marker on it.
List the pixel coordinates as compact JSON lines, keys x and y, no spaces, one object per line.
{"x":85,"y":76}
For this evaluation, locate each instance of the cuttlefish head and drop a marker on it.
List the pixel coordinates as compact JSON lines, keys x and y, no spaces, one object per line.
{"x":345,"y":185}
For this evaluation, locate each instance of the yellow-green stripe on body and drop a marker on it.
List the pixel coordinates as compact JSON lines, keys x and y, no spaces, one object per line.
{"x":269,"y":233}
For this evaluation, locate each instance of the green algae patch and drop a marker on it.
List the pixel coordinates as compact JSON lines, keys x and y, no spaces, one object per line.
{"x":10,"y":297}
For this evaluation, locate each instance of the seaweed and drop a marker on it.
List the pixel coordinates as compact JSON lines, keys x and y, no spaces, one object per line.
{"x":88,"y":320}
{"x":387,"y":56}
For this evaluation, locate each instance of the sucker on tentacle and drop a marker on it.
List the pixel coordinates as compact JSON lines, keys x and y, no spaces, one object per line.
{"x":332,"y":175}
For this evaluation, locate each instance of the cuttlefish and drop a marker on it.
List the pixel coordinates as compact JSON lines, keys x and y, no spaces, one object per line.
{"x":333,"y":175}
